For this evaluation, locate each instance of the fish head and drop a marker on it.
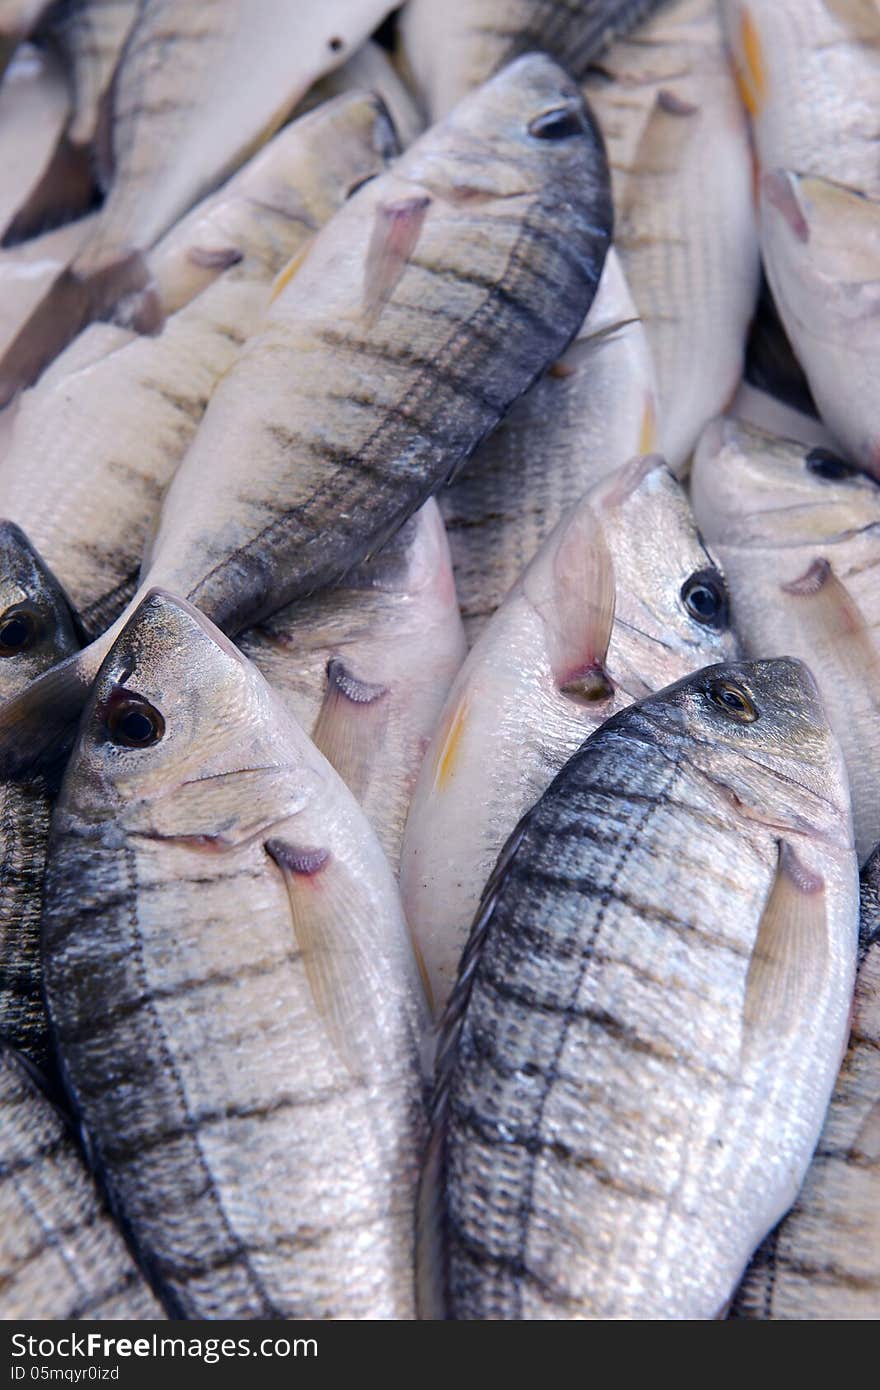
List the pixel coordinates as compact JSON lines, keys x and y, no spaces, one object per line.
{"x":354,"y":140}
{"x":38,"y":626}
{"x":181,"y":736}
{"x":759,"y":734}
{"x":526,"y":131}
{"x":672,"y":612}
{"x":755,"y":491}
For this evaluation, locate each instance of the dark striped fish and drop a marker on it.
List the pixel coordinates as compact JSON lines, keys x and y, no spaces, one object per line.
{"x":649,"y":1014}
{"x":61,"y":1255}
{"x":37,"y":629}
{"x":425,"y":307}
{"x":233,"y":990}
{"x":453,"y":46}
{"x":823,"y":1261}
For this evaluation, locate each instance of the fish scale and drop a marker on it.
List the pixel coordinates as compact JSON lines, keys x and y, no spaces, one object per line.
{"x":609,"y":1137}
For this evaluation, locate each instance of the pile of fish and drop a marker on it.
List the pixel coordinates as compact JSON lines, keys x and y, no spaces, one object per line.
{"x":439,"y":659}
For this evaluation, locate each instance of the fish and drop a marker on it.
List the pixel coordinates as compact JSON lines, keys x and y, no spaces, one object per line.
{"x":28,"y":268}
{"x":426,"y":306}
{"x":621,"y":599}
{"x":795,"y":530}
{"x":186,"y":113}
{"x":253,"y":1098}
{"x":823,"y":1260}
{"x":686,"y":232}
{"x":770,"y":414}
{"x":452,"y":48}
{"x":366,"y":667}
{"x":92,"y":35}
{"x":38,"y":627}
{"x":821,"y":247}
{"x":808,"y":73}
{"x":592,"y":412}
{"x":371,"y":70}
{"x":96,"y":442}
{"x":34,"y":107}
{"x":61,"y":1255}
{"x":650,"y":1013}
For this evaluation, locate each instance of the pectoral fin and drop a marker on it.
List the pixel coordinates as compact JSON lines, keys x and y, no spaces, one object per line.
{"x":320,"y":910}
{"x":834,"y":626}
{"x":351,"y":725}
{"x":396,"y":232}
{"x":579,"y":616}
{"x":790,"y":954}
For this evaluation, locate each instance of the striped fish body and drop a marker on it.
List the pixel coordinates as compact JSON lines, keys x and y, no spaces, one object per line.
{"x":686,"y":234}
{"x":823,"y":1261}
{"x":430,"y":302}
{"x":592,"y":412}
{"x":97,"y":440}
{"x":251,"y":1088}
{"x":367,"y":666}
{"x":650,"y":1013}
{"x":37,"y":629}
{"x":597,"y":620}
{"x":450,"y":49}
{"x":795,"y":530}
{"x":808,"y":73}
{"x":61,"y":1255}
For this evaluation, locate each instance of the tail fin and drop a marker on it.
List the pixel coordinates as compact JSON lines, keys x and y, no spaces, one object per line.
{"x":71,"y":303}
{"x":37,"y":726}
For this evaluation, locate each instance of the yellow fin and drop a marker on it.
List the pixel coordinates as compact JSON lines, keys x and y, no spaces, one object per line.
{"x":749,"y":68}
{"x":790,"y":954}
{"x":284,"y":277}
{"x":351,"y":725}
{"x":444,"y":765}
{"x":332,"y":953}
{"x":396,"y":232}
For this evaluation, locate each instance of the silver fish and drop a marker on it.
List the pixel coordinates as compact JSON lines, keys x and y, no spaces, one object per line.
{"x":92,"y":36}
{"x":198,"y":89}
{"x":821,"y":246}
{"x":61,"y":1255}
{"x":650,"y":1013}
{"x":593,"y":411}
{"x":686,"y":233}
{"x":795,"y":530}
{"x":37,"y":629}
{"x":34,"y":107}
{"x":366,"y":667}
{"x":620,"y":600}
{"x":97,"y":440}
{"x":253,"y":1097}
{"x":371,"y":70}
{"x":429,"y":303}
{"x":823,"y":1261}
{"x":808,"y":73}
{"x":452,"y":47}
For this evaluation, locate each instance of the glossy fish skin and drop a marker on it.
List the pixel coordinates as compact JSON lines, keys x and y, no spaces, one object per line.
{"x":371,"y":70}
{"x":366,"y":667}
{"x":454,"y":47}
{"x":429,"y":304}
{"x":252,"y":1095}
{"x":187,"y":111}
{"x":98,"y":439}
{"x":92,"y":34}
{"x":650,"y":1013}
{"x":808,"y":76}
{"x":678,"y":145}
{"x":823,"y":1261}
{"x":796,"y":535}
{"x":37,"y":629}
{"x":821,"y":247}
{"x":592,"y":412}
{"x":61,"y":1255}
{"x":517,"y":710}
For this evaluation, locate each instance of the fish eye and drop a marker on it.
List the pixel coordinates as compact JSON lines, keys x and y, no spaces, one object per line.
{"x":560,"y":123}
{"x":827,"y":465}
{"x":134,"y":723}
{"x":704,"y":595}
{"x":732,"y":700}
{"x":19,"y":629}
